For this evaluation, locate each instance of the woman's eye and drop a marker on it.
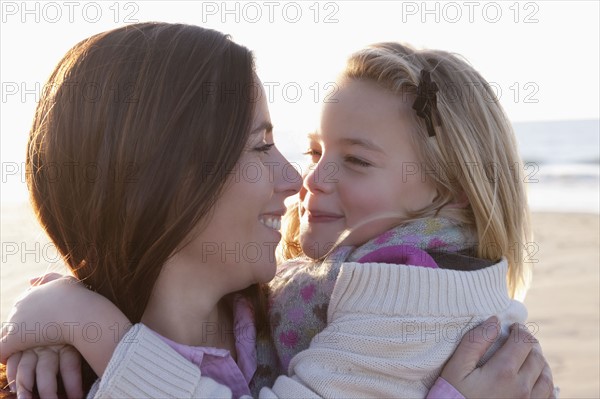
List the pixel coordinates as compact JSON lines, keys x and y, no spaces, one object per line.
{"x":265,"y":148}
{"x":312,"y":153}
{"x":357,"y":161}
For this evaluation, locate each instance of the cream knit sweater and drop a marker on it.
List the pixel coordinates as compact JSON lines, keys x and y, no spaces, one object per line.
{"x":390,"y":330}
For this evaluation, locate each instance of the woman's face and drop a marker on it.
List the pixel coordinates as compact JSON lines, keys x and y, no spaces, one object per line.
{"x":240,"y":237}
{"x":364,"y":164}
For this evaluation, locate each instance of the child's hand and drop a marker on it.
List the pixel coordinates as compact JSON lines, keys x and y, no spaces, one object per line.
{"x":41,"y":317}
{"x":517,"y":370}
{"x":65,"y":312}
{"x":40,"y":366}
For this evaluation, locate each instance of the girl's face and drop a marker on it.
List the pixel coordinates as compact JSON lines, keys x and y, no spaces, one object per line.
{"x":237,"y":243}
{"x":364,"y":165}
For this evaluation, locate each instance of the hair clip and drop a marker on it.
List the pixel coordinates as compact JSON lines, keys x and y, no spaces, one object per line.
{"x":426,"y":102}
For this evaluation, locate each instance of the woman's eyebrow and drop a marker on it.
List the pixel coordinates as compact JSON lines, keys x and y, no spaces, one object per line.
{"x":264,"y":126}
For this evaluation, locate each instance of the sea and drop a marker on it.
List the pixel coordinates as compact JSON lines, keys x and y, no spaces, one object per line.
{"x":568,"y":156}
{"x":561,"y":163}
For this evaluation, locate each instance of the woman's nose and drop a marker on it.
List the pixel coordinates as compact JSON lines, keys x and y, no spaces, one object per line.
{"x":287,"y":178}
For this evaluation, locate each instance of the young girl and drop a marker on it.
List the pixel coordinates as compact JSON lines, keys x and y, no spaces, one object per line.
{"x":379,"y":311}
{"x":406,"y":173}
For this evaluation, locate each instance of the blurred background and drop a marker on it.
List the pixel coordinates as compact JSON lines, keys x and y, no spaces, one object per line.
{"x":541,"y":57}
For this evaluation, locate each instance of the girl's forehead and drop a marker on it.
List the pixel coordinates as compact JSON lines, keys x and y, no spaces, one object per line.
{"x":366,"y":89}
{"x":364,"y":103}
{"x":363,"y":116}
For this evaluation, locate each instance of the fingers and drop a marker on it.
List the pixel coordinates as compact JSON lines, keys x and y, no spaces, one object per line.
{"x":512,"y":355}
{"x":532,"y":366}
{"x":544,"y":386}
{"x":70,"y":370}
{"x":25,"y":378}
{"x":46,"y":372}
{"x":471,"y":349}
{"x":11,"y":370}
{"x":6,"y":333}
{"x":39,"y":367}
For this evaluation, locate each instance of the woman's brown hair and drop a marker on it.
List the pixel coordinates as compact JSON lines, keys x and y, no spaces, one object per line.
{"x":130,"y":148}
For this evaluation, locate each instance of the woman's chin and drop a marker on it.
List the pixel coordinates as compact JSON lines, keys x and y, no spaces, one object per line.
{"x":267,"y":275}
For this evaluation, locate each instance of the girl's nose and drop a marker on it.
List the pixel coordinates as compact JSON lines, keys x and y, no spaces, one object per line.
{"x":320,"y":177}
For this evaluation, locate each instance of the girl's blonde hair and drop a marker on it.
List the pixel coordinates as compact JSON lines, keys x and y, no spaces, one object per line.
{"x":473,"y":154}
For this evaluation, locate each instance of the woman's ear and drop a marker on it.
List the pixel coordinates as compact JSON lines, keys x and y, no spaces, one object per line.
{"x":460,"y":201}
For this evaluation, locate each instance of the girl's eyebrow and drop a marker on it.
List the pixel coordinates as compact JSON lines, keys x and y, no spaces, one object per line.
{"x":363,"y":142}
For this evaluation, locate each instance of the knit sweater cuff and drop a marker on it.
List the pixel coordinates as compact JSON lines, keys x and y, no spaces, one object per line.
{"x":411,"y":290}
{"x":145,"y":366}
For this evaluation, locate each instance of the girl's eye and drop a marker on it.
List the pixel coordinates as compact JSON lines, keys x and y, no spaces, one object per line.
{"x":357,"y":162}
{"x":265,"y":148}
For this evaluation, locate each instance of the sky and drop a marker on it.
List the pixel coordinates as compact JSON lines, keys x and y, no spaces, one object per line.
{"x":542,"y":57}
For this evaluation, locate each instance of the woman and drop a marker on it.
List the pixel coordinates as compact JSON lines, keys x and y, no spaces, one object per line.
{"x":166,"y":201}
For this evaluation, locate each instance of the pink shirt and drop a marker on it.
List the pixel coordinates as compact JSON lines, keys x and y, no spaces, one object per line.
{"x":217,"y":363}
{"x":442,"y":389}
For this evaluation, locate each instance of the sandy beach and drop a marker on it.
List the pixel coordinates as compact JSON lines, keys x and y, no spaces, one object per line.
{"x":563,"y":302}
{"x":564,"y":299}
